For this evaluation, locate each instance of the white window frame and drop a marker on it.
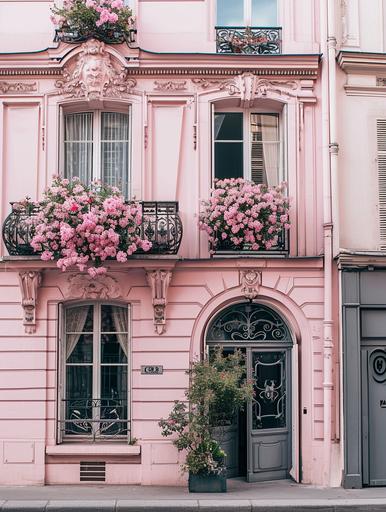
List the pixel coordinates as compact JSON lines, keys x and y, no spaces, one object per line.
{"x":96,"y":375}
{"x":248,"y":13}
{"x":97,"y":140}
{"x":247,"y":138}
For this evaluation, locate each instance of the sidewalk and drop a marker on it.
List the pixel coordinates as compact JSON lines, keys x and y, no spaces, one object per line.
{"x":280,"y":496}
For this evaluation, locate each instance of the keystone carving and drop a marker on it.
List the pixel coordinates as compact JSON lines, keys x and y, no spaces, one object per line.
{"x":159,"y":281}
{"x":95,"y":75}
{"x":29,"y":283}
{"x":83,"y":286}
{"x":250,"y":281}
{"x":17,"y":87}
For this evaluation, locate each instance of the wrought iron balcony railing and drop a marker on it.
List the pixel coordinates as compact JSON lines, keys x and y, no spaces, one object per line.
{"x":161,"y":225}
{"x":248,"y":40}
{"x":70,"y":35}
{"x":226,"y":247}
{"x":95,"y":418}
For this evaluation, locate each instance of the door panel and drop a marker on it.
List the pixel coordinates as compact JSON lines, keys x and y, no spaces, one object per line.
{"x":270,"y":419}
{"x":374,"y":415}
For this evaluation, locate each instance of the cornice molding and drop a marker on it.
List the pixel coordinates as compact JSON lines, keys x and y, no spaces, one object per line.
{"x":361,"y":62}
{"x":361,"y":260}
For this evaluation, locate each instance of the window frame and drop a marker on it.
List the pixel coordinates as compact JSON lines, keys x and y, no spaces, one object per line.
{"x":62,"y":437}
{"x":247,"y":140}
{"x":247,"y":11}
{"x":97,"y":138}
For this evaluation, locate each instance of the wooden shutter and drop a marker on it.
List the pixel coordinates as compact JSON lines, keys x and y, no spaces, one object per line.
{"x":381,"y":148}
{"x":257,"y":158}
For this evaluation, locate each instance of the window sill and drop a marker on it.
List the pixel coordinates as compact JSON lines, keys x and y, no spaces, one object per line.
{"x":104,"y":449}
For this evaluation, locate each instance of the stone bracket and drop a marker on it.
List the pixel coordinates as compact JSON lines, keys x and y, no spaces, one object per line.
{"x":159,"y":281}
{"x":250,"y":281}
{"x":29,"y":281}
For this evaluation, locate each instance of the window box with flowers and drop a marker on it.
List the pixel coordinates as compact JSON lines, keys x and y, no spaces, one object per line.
{"x":110,"y":21}
{"x":243,"y":216}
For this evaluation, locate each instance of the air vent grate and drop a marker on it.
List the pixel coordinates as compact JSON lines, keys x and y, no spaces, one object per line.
{"x":92,"y":471}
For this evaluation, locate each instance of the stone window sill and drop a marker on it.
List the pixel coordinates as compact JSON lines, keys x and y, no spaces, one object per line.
{"x":103,"y":449}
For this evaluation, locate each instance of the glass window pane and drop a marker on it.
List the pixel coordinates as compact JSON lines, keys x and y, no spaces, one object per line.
{"x":78,"y":403}
{"x":79,"y":348}
{"x":230,"y":13}
{"x":265,"y":148}
{"x":114,"y":318}
{"x":115,"y":150}
{"x":79,"y":319}
{"x":114,"y":400}
{"x":114,"y":382}
{"x":79,"y":382}
{"x":114,"y":348}
{"x":228,"y":160}
{"x":228,"y":126}
{"x":78,"y":146}
{"x":264,"y":13}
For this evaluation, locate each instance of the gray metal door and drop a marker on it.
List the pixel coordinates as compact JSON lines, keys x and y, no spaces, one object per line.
{"x":374,"y":415}
{"x":269,"y":414}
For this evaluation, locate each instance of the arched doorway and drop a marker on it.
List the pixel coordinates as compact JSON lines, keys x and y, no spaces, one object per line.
{"x":258,"y":443}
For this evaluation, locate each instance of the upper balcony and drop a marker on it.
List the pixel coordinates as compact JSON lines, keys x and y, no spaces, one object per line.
{"x":249,"y":40}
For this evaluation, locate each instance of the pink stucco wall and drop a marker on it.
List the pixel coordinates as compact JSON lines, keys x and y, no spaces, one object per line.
{"x":172,"y":160}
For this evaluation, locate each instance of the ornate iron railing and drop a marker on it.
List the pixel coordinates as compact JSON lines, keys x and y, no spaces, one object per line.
{"x":161,"y":225}
{"x":95,"y":418}
{"x":70,"y":35}
{"x":248,"y":40}
{"x":224,"y":247}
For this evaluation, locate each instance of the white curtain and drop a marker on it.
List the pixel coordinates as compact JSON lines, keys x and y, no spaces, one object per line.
{"x":78,"y":146}
{"x":269,"y":130}
{"x":75,"y":320}
{"x":120,"y":322}
{"x":115,"y":150}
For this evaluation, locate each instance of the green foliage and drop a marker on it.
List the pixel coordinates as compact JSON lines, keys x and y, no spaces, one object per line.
{"x":218,"y":389}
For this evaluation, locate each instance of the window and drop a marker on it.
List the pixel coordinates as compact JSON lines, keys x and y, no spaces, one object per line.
{"x":246,"y":13}
{"x":247,"y":145}
{"x":97,"y":146}
{"x":94,"y":372}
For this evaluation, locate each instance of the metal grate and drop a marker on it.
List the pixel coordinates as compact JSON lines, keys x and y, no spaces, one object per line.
{"x":92,"y":471}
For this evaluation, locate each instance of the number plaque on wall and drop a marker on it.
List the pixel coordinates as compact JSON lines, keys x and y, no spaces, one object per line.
{"x":152,"y":370}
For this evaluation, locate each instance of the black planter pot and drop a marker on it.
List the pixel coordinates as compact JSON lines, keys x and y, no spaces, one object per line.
{"x":208,"y":483}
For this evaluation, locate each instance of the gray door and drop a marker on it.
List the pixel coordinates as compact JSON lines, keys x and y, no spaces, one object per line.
{"x":374,"y":415}
{"x":269,"y":418}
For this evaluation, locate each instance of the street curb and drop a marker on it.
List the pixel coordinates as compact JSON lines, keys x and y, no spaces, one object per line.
{"x":186,"y":505}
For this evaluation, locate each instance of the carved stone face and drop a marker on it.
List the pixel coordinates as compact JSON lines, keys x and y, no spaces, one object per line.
{"x":93,"y":73}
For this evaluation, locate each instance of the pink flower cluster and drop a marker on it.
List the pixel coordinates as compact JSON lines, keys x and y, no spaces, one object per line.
{"x":243,"y":214}
{"x":79,"y":226}
{"x":84,"y":15}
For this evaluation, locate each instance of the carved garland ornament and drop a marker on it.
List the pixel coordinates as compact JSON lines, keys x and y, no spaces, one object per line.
{"x":95,"y":76}
{"x":29,"y":283}
{"x":159,"y":281}
{"x":83,"y":286}
{"x":169,"y":85}
{"x":17,"y":87}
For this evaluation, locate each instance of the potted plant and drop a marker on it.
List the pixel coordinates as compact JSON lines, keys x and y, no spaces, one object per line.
{"x":83,"y":226}
{"x":241,"y":215}
{"x":110,"y":21}
{"x":217,"y":391}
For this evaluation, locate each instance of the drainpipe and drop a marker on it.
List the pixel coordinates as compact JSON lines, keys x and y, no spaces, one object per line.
{"x":327,"y":21}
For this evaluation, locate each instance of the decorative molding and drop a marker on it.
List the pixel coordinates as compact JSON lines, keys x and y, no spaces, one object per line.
{"x":95,"y":75}
{"x":169,"y":85}
{"x":83,"y":286}
{"x":29,"y":282}
{"x":30,"y":71}
{"x":159,"y":281}
{"x":17,"y":87}
{"x":250,"y":281}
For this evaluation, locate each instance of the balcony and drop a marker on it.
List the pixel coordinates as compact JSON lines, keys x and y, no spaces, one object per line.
{"x":161,"y":225}
{"x":70,"y":35}
{"x":227,"y":248}
{"x":248,"y":40}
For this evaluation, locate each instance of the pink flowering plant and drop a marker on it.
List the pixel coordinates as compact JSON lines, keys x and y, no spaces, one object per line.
{"x":84,"y":226}
{"x":107,"y":20}
{"x":241,"y":215}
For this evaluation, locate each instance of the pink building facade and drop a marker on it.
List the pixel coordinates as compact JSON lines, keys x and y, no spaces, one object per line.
{"x":177,"y":108}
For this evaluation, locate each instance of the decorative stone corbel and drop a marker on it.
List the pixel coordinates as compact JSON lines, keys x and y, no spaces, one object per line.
{"x":29,"y":281}
{"x":250,"y":281}
{"x":159,"y":281}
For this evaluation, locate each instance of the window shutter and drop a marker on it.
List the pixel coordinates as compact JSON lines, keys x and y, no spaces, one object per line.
{"x":381,"y":148}
{"x":257,"y":159}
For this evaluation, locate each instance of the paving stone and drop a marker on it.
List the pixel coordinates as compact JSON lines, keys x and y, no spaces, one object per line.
{"x":23,"y":505}
{"x":225,"y":505}
{"x":290,"y":506}
{"x":182,"y":505}
{"x":81,"y":506}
